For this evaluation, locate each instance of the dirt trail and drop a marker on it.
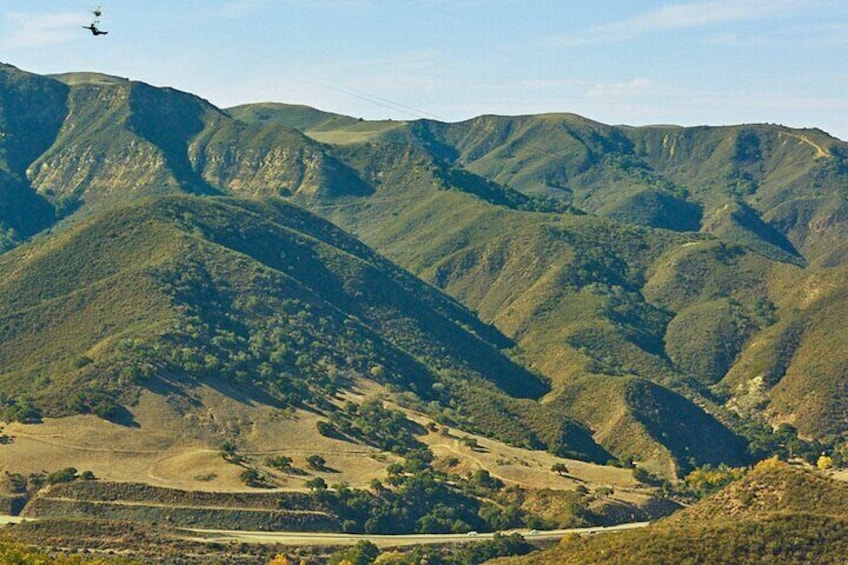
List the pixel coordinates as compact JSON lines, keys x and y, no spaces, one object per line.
{"x":166,"y":505}
{"x":821,"y":152}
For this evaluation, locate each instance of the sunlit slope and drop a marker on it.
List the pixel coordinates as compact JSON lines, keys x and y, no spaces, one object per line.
{"x":85,"y":141}
{"x":567,"y":287}
{"x":797,"y":369}
{"x":707,"y":261}
{"x":325,"y":127}
{"x":776,"y":514}
{"x":757,"y":185}
{"x":258,"y":295}
{"x":752,"y":231}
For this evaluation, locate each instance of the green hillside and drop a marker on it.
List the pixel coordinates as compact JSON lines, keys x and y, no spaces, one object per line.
{"x":772,"y":487}
{"x":322,"y":126}
{"x":257,"y":295}
{"x":86,"y":141}
{"x":717,"y":238}
{"x":701,"y":267}
{"x":776,"y":514}
{"x":792,"y":539}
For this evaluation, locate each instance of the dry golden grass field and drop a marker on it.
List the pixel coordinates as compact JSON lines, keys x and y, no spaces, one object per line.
{"x":168,"y":449}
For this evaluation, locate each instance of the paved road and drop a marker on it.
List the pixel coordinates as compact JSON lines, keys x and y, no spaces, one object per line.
{"x":316,"y":538}
{"x":308,"y":538}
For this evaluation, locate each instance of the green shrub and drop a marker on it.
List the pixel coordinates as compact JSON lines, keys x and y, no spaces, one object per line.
{"x":66,"y":475}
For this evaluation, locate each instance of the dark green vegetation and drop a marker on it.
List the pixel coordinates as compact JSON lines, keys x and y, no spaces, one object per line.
{"x":373,"y":424}
{"x":776,"y":514}
{"x":18,"y":554}
{"x":668,"y":285}
{"x":254,"y":296}
{"x":365,"y":553}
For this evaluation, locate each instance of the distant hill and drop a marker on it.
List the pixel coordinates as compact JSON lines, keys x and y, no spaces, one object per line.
{"x":697,"y":278}
{"x":663,"y":281}
{"x":772,"y":487}
{"x":776,"y":514}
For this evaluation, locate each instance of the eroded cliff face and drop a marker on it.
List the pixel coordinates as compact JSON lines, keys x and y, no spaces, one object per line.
{"x":97,"y":155}
{"x":121,"y":140}
{"x":270,"y":160}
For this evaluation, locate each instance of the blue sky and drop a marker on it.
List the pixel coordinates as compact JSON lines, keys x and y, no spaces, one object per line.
{"x":623,"y":61}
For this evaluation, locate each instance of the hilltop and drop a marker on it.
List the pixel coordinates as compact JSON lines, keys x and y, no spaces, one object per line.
{"x":772,"y":487}
{"x":775,"y":514}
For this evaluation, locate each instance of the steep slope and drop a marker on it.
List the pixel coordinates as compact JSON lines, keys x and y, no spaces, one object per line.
{"x":257,"y":296}
{"x":106,"y":149}
{"x":740,"y":182}
{"x":114,"y":139}
{"x":565,"y":287}
{"x":32,"y":109}
{"x":727,"y":307}
{"x":269,"y":160}
{"x":582,"y":304}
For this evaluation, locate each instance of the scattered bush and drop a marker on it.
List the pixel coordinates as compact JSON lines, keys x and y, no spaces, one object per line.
{"x":316,"y":462}
{"x":252,"y":477}
{"x":229,"y":453}
{"x":707,"y":479}
{"x":66,"y":475}
{"x":20,"y":409}
{"x":560,"y":469}
{"x":316,"y":483}
{"x":280,"y":462}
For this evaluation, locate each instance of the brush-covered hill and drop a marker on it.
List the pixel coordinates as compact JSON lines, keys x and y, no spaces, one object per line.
{"x":772,"y":487}
{"x":253,"y":296}
{"x":564,"y":285}
{"x":775,"y":514}
{"x":646,"y":273}
{"x":709,"y":259}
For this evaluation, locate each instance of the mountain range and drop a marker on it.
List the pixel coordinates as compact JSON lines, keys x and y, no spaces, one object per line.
{"x":604,"y":292}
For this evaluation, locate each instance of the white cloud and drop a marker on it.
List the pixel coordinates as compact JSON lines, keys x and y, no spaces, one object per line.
{"x":814,"y":36}
{"x":545,"y":84}
{"x":235,"y":8}
{"x":625,"y":89}
{"x":23,"y":30}
{"x":681,"y":16}
{"x":239,"y":8}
